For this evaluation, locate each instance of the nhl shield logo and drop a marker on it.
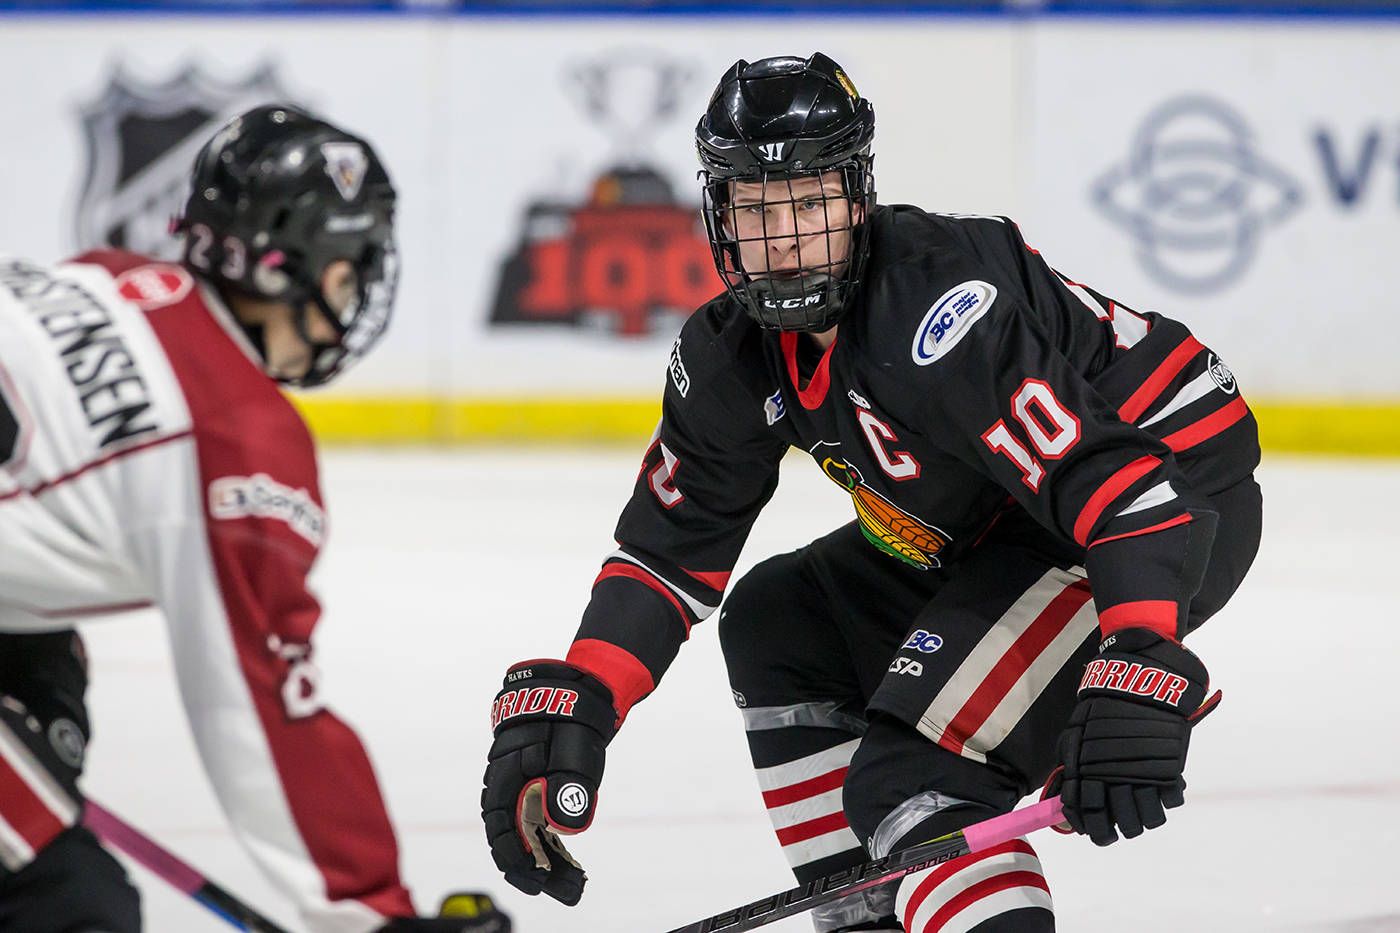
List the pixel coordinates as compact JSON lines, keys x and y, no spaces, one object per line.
{"x":142,"y":138}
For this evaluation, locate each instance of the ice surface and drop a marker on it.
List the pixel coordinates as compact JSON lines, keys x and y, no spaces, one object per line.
{"x":445,"y":567}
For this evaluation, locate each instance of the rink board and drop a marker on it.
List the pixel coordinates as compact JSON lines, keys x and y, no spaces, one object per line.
{"x":546,"y":173}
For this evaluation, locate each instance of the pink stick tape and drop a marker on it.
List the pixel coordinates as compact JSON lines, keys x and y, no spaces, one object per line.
{"x":1012,"y":825}
{"x":111,"y":829}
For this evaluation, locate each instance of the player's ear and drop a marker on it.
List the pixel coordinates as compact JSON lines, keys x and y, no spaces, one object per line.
{"x":338,"y":283}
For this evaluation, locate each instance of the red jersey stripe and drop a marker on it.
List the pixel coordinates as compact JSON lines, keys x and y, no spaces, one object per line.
{"x":1159,"y":615}
{"x":801,"y":832}
{"x":1181,"y":519}
{"x":1161,"y":377}
{"x":1111,"y":489}
{"x":619,"y":670}
{"x":781,"y":796}
{"x":1013,"y":665}
{"x":633,"y":572}
{"x":1207,"y":427}
{"x":716,"y":580}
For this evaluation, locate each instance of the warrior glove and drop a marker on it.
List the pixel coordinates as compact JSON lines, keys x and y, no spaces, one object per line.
{"x":1124,"y":750}
{"x":552,"y":723}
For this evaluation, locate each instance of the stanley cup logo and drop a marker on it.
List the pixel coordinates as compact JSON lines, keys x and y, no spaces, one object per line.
{"x":630,"y":94}
{"x":630,"y":258}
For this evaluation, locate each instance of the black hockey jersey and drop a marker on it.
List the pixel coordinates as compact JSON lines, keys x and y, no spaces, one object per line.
{"x":970,"y":378}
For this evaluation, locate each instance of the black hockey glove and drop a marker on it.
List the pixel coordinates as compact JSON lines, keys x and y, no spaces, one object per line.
{"x":464,"y":912}
{"x":552,"y":723}
{"x":1124,"y":750}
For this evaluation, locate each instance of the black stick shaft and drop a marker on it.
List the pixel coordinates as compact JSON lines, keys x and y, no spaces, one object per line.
{"x":824,"y":890}
{"x":894,"y":866}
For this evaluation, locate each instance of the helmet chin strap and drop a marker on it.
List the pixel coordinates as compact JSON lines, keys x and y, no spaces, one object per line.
{"x":317,"y":374}
{"x":254,"y":333}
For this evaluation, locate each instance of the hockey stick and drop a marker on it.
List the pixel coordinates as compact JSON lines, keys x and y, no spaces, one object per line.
{"x":974,"y":838}
{"x":117,"y":833}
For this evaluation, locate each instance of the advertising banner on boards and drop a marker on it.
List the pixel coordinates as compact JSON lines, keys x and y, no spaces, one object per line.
{"x":549,"y":219}
{"x":1244,"y":178}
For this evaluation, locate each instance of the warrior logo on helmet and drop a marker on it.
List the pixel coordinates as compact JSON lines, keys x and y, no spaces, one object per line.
{"x":142,"y":138}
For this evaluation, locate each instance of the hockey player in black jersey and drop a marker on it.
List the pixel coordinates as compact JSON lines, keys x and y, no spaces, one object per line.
{"x":1050,"y":491}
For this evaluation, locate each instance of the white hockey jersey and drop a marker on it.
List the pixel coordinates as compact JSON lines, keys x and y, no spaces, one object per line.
{"x":146,"y":459}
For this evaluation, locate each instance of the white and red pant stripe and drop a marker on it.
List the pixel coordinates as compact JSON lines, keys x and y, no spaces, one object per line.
{"x":34,"y":807}
{"x":1014,"y":662}
{"x":803,"y":798}
{"x":973,"y":892}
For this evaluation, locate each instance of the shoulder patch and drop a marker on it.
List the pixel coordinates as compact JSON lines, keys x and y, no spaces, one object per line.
{"x":155,"y":285}
{"x":678,"y":374}
{"x":261,"y":496}
{"x":950,"y":318}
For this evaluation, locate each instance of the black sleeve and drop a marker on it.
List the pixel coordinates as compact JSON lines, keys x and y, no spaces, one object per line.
{"x":710,"y":468}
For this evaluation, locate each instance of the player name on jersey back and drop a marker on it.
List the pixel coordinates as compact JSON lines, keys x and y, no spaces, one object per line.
{"x":112,"y":393}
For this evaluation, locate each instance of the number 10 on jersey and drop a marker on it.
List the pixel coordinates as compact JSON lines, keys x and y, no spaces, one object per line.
{"x":1052,"y":429}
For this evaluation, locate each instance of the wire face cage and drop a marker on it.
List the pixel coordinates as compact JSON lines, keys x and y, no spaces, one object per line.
{"x":791,"y":247}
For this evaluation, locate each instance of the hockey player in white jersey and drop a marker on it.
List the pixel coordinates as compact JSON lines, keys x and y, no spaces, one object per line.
{"x":146,"y":458}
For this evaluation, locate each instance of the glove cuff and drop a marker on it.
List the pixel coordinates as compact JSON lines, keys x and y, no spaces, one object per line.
{"x":1140,"y":664}
{"x":553,"y":691}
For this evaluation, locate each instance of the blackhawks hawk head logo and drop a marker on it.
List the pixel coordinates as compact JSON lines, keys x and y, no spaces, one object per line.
{"x":885,"y":525}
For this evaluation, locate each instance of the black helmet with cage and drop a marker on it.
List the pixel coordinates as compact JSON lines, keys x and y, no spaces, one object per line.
{"x":277,"y":195}
{"x":769,"y":124}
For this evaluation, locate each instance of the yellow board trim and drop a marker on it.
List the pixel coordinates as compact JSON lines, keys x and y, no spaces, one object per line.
{"x":417,"y":420}
{"x":1360,"y":428}
{"x":1369,"y":428}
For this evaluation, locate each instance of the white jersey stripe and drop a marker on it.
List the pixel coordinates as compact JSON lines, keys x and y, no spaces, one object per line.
{"x":1160,"y":494}
{"x":1197,"y":388}
{"x":804,"y":769}
{"x":989,"y":651}
{"x":702,"y":611}
{"x":1083,"y":295}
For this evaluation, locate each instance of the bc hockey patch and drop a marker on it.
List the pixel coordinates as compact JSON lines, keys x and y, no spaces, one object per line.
{"x":950,"y":318}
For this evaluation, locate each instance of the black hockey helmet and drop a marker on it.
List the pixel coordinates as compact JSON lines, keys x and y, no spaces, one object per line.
{"x":277,"y":195}
{"x":771,"y":123}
